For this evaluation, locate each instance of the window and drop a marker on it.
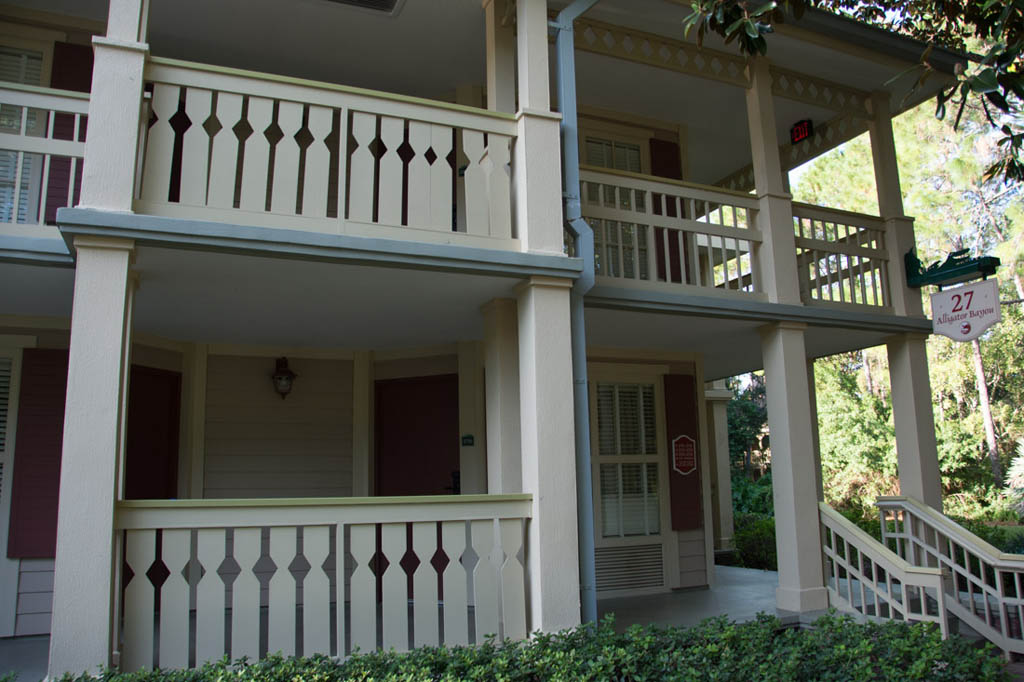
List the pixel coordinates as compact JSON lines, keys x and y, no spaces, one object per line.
{"x":613,"y":154}
{"x":24,"y":66}
{"x":628,"y":460}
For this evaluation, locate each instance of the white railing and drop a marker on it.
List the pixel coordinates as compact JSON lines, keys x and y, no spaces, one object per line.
{"x":664,"y":234}
{"x":243,"y":147}
{"x":208,"y":578}
{"x":42,"y":142}
{"x":841,"y":257}
{"x":864,"y":577}
{"x":987,"y":587}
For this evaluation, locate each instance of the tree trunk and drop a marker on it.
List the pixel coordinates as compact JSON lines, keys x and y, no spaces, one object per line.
{"x":986,"y":414}
{"x":869,"y":383}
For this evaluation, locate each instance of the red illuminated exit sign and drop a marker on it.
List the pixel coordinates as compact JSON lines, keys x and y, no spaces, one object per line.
{"x":801,"y":130}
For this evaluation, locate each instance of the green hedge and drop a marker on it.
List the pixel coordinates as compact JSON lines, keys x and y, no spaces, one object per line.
{"x":835,"y":648}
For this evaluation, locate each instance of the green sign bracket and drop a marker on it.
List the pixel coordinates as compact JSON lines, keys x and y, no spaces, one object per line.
{"x":955,"y":269}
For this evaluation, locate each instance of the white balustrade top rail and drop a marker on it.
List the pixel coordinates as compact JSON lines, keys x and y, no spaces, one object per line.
{"x":238,"y":146}
{"x":42,"y":142}
{"x":842,"y":257}
{"x":865,"y":577}
{"x":268,"y":512}
{"x":657,"y":233}
{"x":987,"y":586}
{"x":209,"y":578}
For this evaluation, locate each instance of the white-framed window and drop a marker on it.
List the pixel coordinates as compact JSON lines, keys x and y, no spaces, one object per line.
{"x":628,"y":460}
{"x":615,"y":154}
{"x":24,"y":63}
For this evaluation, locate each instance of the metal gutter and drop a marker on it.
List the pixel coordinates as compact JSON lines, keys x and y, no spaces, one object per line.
{"x":583,"y":242}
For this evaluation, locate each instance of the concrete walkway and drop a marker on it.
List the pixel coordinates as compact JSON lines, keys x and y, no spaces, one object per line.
{"x":740,"y":593}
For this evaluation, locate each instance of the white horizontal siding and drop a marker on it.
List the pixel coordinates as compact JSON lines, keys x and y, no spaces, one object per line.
{"x":35,"y":597}
{"x":692,"y":562}
{"x":258,"y":445}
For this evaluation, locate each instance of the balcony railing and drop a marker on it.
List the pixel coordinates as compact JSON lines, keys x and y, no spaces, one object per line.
{"x":242,"y":147}
{"x":842,"y":257}
{"x":42,"y":142}
{"x":673,"y":236}
{"x":208,"y":578}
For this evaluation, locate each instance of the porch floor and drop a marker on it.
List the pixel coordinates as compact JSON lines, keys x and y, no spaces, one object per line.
{"x":739,"y":593}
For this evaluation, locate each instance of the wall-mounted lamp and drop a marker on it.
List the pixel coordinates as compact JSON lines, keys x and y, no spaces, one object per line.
{"x":283,"y":377}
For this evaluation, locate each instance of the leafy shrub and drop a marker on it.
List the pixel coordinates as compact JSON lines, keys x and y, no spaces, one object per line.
{"x":835,"y":648}
{"x":752,"y":497}
{"x":754,"y":537}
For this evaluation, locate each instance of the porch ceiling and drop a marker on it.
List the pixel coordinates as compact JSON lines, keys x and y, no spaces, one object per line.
{"x":434,"y":46}
{"x":728,"y":346}
{"x":231,"y":298}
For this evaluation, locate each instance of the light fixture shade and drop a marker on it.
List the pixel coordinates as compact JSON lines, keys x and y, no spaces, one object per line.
{"x":283,"y":377}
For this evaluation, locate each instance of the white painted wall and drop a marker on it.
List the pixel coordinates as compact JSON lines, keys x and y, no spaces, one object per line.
{"x":258,"y":445}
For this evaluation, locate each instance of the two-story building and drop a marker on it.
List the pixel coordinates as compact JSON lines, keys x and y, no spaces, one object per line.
{"x":304,"y":346}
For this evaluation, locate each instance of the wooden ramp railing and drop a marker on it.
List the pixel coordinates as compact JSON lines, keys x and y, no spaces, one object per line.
{"x":986,"y":589}
{"x":208,"y":578}
{"x":865,"y":578}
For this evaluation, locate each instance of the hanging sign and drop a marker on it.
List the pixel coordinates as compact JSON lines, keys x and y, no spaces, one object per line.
{"x":964,"y":313}
{"x":684,"y":455}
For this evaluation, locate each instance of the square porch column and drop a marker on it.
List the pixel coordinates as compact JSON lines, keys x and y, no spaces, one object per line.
{"x":537,"y":162}
{"x":718,"y":398}
{"x":115,"y":108}
{"x":548,"y":453}
{"x":775,"y":256}
{"x":501,"y":378}
{"x":85,"y":569}
{"x":794,"y":483}
{"x":916,"y":452}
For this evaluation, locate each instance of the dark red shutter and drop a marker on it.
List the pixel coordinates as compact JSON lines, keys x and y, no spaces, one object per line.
{"x":681,"y":419}
{"x":72,"y":67}
{"x":72,"y":70}
{"x":665,"y":161}
{"x":33,"y":525}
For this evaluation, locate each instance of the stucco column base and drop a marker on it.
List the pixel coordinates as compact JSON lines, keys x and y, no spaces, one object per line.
{"x":801,"y":600}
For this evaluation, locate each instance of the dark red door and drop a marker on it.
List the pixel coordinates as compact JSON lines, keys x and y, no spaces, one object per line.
{"x":417,"y":435}
{"x":151,"y":448}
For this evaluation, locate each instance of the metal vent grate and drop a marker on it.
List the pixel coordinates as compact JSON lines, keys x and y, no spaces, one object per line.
{"x":629,"y":568}
{"x":389,"y":7}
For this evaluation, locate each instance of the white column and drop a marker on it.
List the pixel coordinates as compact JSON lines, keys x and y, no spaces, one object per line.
{"x":472,"y":457}
{"x":501,"y":375}
{"x":538,"y":193}
{"x":899,"y":238}
{"x":916,"y":452}
{"x":501,"y":56}
{"x":84,"y":577}
{"x":718,"y":398}
{"x":797,"y":531}
{"x":362,"y":423}
{"x":108,"y":179}
{"x":776,"y":255}
{"x":11,"y":349}
{"x":812,"y":394}
{"x":194,"y":392}
{"x":548,"y":447}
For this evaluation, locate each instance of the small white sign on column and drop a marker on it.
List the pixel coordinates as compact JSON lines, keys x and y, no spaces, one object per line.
{"x":964,"y":313}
